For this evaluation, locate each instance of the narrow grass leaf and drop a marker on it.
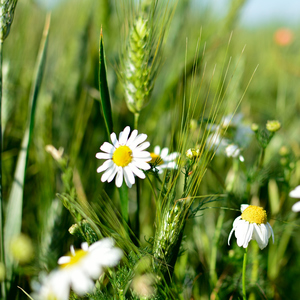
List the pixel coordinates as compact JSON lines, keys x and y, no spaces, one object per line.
{"x":13,"y":220}
{"x":104,"y":91}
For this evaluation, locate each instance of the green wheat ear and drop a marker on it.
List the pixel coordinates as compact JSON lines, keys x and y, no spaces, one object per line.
{"x":136,"y":77}
{"x":7,"y":10}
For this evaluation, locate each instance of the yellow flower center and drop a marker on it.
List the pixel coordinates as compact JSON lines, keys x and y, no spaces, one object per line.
{"x":122,"y":156}
{"x":79,"y":254}
{"x":255,"y":214}
{"x":156,"y":159}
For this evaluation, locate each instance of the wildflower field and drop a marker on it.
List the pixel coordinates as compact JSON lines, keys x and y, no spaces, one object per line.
{"x":150,"y":150}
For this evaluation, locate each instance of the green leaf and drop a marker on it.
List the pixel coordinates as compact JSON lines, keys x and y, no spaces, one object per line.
{"x":13,"y":220}
{"x":103,"y":86}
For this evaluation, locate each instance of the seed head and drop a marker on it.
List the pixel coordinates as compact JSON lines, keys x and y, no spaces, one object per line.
{"x":7,"y":10}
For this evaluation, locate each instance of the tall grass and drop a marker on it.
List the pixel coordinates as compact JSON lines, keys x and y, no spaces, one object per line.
{"x":185,"y":79}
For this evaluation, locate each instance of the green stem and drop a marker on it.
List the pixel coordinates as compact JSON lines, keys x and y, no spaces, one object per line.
{"x":136,"y":120}
{"x":3,"y":289}
{"x":137,"y":216}
{"x":261,"y":159}
{"x":123,"y":192}
{"x":214,"y":250}
{"x":255,"y":267}
{"x":244,"y":274}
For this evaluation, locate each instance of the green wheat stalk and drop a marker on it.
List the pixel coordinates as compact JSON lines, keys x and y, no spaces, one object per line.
{"x":7,"y":9}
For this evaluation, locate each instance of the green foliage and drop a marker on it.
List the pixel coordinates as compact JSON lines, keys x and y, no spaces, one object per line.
{"x":173,"y":229}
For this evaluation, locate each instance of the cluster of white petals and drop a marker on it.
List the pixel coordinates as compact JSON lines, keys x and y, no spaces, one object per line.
{"x":125,"y":157}
{"x":246,"y":231}
{"x":78,"y":271}
{"x":161,"y":159}
{"x":295,"y":194}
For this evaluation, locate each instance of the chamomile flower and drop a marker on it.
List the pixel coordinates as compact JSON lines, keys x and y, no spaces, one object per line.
{"x":79,"y":270}
{"x":124,"y":157}
{"x":295,"y":194}
{"x":252,"y":225}
{"x":233,"y":150}
{"x":161,"y":159}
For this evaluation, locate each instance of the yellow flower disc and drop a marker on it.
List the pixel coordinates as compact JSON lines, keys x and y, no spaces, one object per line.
{"x":255,"y":214}
{"x":156,"y":159}
{"x":122,"y":156}
{"x":79,"y":254}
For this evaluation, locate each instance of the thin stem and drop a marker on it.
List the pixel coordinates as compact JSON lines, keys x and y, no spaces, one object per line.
{"x":136,"y":120}
{"x":137,"y":216}
{"x":3,"y":289}
{"x":214,"y":250}
{"x":138,"y":188}
{"x":255,"y":267}
{"x":244,"y":274}
{"x":261,"y":159}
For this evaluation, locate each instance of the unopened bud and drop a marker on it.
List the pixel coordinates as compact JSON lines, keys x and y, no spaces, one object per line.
{"x":273,"y":126}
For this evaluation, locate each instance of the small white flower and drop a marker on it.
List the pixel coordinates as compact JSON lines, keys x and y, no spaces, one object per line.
{"x":161,"y":159}
{"x":233,"y":150}
{"x":295,"y":194}
{"x":124,"y":157}
{"x":79,"y":270}
{"x":252,"y":225}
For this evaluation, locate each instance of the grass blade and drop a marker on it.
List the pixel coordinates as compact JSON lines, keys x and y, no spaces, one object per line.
{"x":13,"y":220}
{"x":107,"y":113}
{"x":104,"y":91}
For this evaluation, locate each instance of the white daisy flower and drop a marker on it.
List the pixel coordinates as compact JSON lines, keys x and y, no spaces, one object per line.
{"x":233,"y":150}
{"x":295,"y":194}
{"x":161,"y":159}
{"x":79,"y":270}
{"x":252,"y":225}
{"x":124,"y":157}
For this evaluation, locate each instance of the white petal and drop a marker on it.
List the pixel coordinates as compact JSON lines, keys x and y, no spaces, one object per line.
{"x":93,"y":270}
{"x":102,"y":244}
{"x":124,"y":135}
{"x":138,"y":140}
{"x":164,"y":152}
{"x":72,"y":250}
{"x":108,"y":257}
{"x":141,"y":164}
{"x":101,"y":155}
{"x":129,"y":177}
{"x":141,"y":154}
{"x":109,"y":173}
{"x":296,"y":207}
{"x":258,"y":236}
{"x":114,"y":140}
{"x":295,"y":193}
{"x":107,"y":147}
{"x":244,"y":206}
{"x":105,"y":166}
{"x":248,"y":236}
{"x":119,"y":177}
{"x":171,"y":165}
{"x":230,"y":234}
{"x":81,"y":284}
{"x":171,"y":156}
{"x":59,"y":284}
{"x":85,"y":246}
{"x":132,"y":137}
{"x":236,"y":221}
{"x":64,"y":260}
{"x":137,"y":171}
{"x":114,"y":169}
{"x":241,"y":233}
{"x":157,"y":150}
{"x":143,"y":146}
